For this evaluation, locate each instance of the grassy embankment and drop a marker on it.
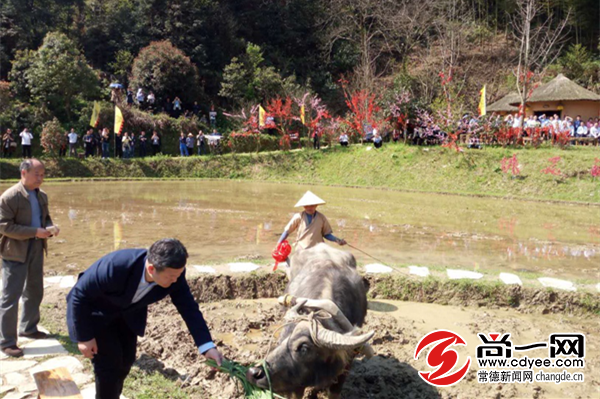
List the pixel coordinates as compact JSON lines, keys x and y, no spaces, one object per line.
{"x":433,"y":169}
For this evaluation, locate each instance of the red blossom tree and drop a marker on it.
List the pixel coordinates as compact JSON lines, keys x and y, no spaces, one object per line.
{"x":552,"y":169}
{"x":511,"y":165}
{"x":595,"y":171}
{"x":363,"y":109}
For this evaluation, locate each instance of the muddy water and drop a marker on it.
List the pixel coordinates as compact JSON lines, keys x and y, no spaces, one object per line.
{"x":222,"y":220}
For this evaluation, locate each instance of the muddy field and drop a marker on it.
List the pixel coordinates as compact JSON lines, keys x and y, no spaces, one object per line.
{"x":243,"y":330}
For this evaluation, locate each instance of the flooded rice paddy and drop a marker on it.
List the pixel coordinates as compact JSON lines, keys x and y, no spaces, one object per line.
{"x":220,"y":221}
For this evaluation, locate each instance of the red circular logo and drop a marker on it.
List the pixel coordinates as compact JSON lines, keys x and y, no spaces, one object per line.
{"x":442,"y":359}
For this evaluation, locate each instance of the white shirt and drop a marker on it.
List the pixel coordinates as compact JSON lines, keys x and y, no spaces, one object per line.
{"x":595,"y":131}
{"x":582,"y":130}
{"x":516,"y":122}
{"x":26,"y":138}
{"x":73,"y":138}
{"x":143,"y":288}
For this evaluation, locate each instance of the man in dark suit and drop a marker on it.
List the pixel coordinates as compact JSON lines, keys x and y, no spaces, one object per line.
{"x":108,"y":307}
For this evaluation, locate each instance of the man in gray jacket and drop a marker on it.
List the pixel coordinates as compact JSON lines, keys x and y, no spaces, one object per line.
{"x":25,"y":225}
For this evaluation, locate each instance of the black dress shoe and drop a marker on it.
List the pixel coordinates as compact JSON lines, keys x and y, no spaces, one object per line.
{"x":34,"y":335}
{"x":13,"y":351}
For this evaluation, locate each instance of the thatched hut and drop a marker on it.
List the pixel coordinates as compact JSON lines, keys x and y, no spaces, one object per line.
{"x":564,"y":97}
{"x":503,"y":106}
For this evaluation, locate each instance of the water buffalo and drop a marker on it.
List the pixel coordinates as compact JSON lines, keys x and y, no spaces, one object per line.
{"x":316,"y":346}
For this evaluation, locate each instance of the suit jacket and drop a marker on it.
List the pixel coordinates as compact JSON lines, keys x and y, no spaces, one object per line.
{"x":15,"y":222}
{"x":105,"y":290}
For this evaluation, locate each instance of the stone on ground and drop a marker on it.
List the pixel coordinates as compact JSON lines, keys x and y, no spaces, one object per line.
{"x":377,"y":268}
{"x":43,"y":347}
{"x":243,"y":267}
{"x":69,"y":362}
{"x":557,"y":283}
{"x":455,"y":274}
{"x":422,"y":271}
{"x":509,"y":278}
{"x":11,"y":366}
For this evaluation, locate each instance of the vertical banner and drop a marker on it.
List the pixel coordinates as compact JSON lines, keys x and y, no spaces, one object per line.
{"x":481,"y":107}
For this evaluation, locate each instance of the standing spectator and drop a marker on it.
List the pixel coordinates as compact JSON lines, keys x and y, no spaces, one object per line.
{"x":142,"y":144}
{"x":26,"y":138}
{"x":73,"y":137}
{"x":344,"y":140}
{"x":126,"y":143}
{"x":201,"y":142}
{"x":182,"y":147}
{"x":129,"y":97}
{"x":8,"y":144}
{"x":169,"y":107}
{"x":118,"y":145}
{"x":316,"y":137}
{"x":140,"y":97}
{"x":155,"y":140}
{"x":88,"y":143}
{"x":395,"y":135}
{"x":189,"y":143}
{"x":176,"y":104}
{"x":212,"y":115}
{"x":105,"y":143}
{"x":97,"y":143}
{"x":577,"y":122}
{"x":64,"y":142}
{"x":196,"y":108}
{"x":132,"y":145}
{"x":151,"y":99}
{"x":25,"y":225}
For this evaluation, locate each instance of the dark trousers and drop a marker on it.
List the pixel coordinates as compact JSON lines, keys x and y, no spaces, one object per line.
{"x":155,"y":149}
{"x":116,"y":354}
{"x":26,"y":151}
{"x":142,"y":150}
{"x":21,"y":281}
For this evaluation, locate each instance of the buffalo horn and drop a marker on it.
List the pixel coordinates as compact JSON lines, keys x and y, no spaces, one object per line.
{"x":334,"y":340}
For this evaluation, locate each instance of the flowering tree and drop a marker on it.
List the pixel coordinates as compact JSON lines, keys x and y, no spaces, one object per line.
{"x":285,"y":114}
{"x":595,"y":171}
{"x":511,"y":165}
{"x":552,"y":169}
{"x":316,"y":115}
{"x":53,"y":137}
{"x":363,"y":110}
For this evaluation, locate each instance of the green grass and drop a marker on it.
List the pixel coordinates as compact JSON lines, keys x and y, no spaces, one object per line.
{"x":399,"y":167}
{"x":140,"y":384}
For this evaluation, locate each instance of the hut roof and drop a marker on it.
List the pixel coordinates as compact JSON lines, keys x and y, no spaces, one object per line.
{"x":561,"y":88}
{"x":504,"y":104}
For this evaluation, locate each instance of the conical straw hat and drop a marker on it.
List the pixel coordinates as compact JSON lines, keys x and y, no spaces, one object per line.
{"x":309,"y":199}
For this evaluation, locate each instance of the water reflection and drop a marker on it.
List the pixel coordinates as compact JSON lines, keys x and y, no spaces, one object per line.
{"x":220,"y":221}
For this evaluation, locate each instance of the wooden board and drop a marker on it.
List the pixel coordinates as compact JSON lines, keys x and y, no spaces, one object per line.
{"x":56,"y":383}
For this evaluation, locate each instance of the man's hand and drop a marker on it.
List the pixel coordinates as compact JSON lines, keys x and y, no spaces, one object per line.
{"x":341,"y":241}
{"x":215,"y":355}
{"x":56,"y":231}
{"x":89,"y":348}
{"x":42,"y":233}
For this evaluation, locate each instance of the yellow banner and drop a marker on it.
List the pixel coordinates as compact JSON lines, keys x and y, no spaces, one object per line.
{"x":95,"y":115}
{"x":481,"y":107}
{"x":118,"y":120}
{"x":302,"y":115}
{"x":262,"y":116}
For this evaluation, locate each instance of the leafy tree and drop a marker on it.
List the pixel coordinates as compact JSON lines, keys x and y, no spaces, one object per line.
{"x":246,"y":80}
{"x":122,"y":65}
{"x":578,"y":64}
{"x":167,"y":71}
{"x":57,"y":75}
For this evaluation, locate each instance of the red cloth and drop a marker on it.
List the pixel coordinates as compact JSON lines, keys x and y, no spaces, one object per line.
{"x":281,"y":253}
